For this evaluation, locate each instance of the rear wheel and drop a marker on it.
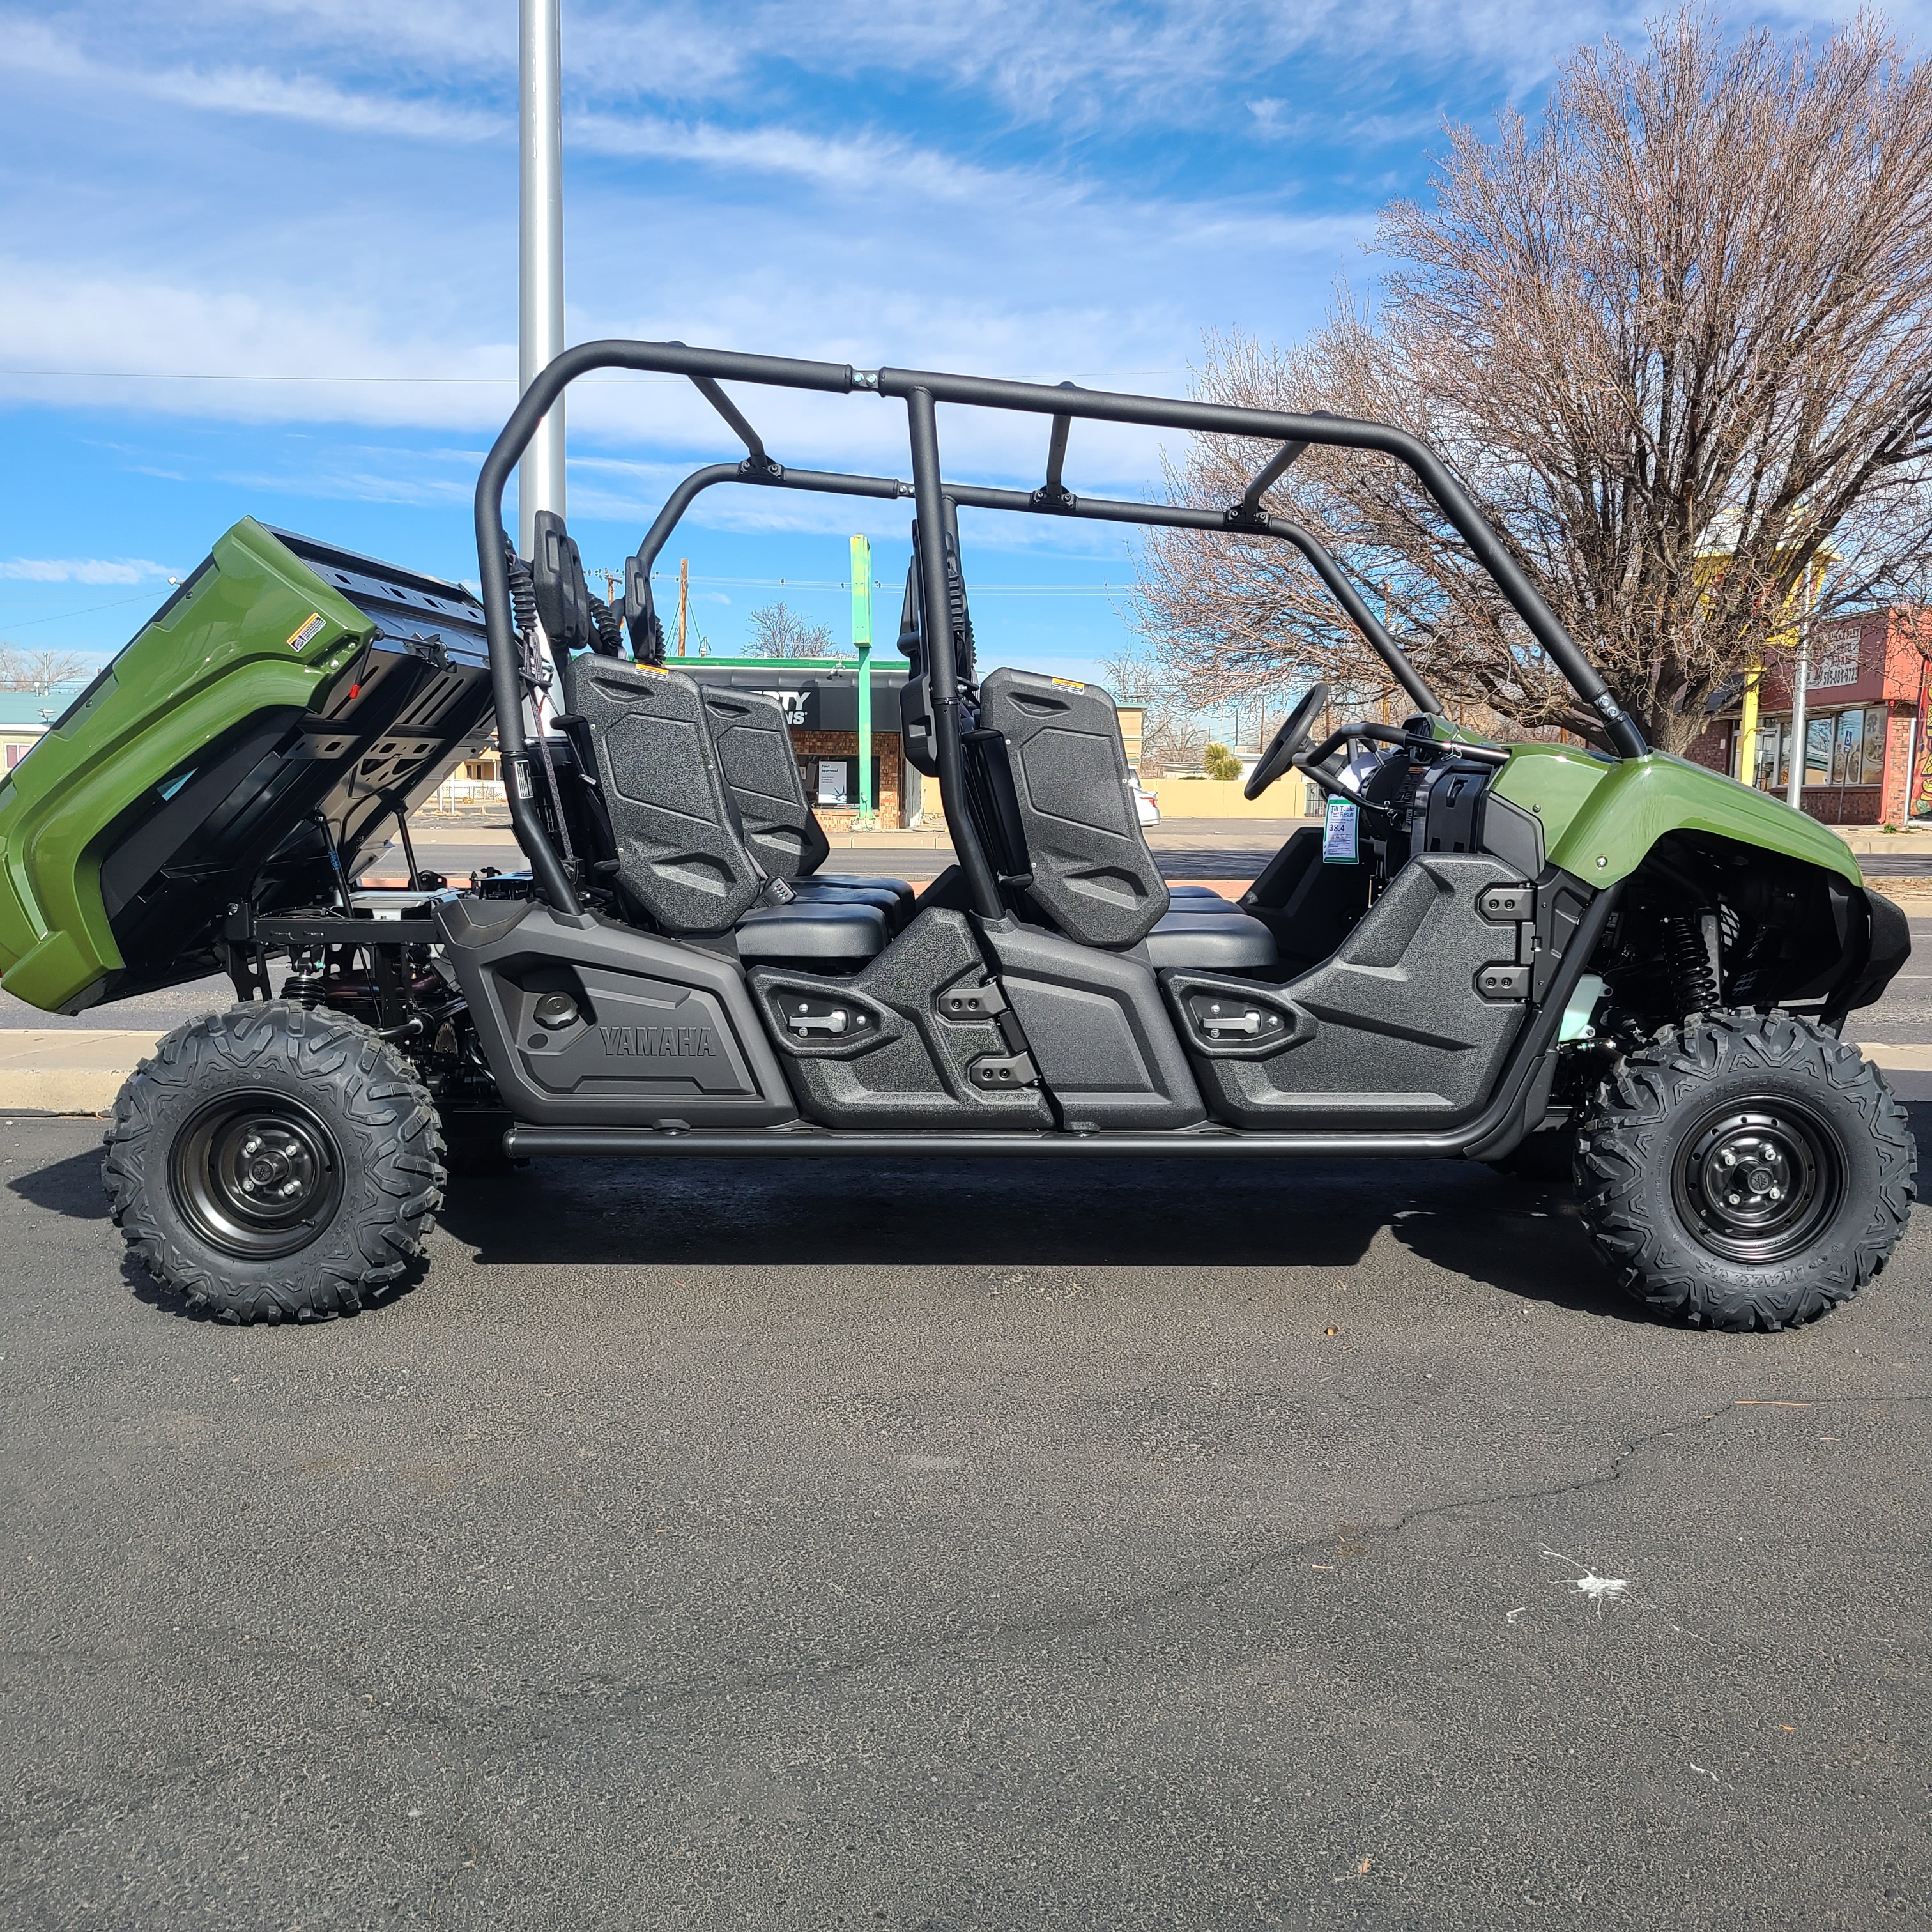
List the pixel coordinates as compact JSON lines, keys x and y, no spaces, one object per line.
{"x":1750,"y":1172}
{"x":273,"y":1163}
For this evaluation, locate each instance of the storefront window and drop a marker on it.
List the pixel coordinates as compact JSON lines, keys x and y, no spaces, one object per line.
{"x":1841,"y":748}
{"x":1848,"y":748}
{"x":834,"y":782}
{"x":1875,"y":729}
{"x":1818,"y":732}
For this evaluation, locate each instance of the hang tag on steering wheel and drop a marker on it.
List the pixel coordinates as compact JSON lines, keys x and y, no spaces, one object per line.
{"x":1339,"y":845}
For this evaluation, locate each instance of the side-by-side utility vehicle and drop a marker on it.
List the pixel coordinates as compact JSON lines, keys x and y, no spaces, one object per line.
{"x":1613,"y":953}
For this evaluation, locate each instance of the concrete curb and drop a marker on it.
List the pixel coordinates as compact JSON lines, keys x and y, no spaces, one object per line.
{"x":68,"y":1070}
{"x":79,"y":1071}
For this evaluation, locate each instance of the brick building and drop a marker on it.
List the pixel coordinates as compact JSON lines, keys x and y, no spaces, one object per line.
{"x":1864,"y":726}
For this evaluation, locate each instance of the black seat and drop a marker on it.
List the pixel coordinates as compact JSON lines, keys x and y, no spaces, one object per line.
{"x":1211,"y":942}
{"x":1198,"y":898}
{"x":816,"y":937}
{"x":1050,"y":797}
{"x":679,"y":852}
{"x":754,"y":754}
{"x":662,"y":797}
{"x":1088,"y":866}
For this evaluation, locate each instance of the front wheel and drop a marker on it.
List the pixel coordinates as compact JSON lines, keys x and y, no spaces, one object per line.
{"x":272,"y":1163}
{"x":1748,"y":1172}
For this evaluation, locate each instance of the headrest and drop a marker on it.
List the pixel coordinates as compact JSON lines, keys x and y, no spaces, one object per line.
{"x":563,"y":597}
{"x":641,"y":614}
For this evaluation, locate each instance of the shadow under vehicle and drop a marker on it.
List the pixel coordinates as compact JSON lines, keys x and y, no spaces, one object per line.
{"x":1493,"y":952}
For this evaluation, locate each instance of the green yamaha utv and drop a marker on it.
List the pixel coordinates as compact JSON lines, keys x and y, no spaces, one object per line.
{"x":1502,"y":947}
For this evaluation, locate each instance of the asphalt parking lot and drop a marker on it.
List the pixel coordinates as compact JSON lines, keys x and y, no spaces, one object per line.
{"x":724,"y":1544}
{"x":739,"y":1545}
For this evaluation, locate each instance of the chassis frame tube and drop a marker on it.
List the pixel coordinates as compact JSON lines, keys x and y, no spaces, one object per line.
{"x":978,"y":496}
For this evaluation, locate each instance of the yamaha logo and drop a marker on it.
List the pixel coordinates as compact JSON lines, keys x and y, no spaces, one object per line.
{"x":667,"y":1043}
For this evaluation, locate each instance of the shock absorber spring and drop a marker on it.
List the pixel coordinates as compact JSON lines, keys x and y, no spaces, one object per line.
{"x":1693,"y":973}
{"x":303,"y":985}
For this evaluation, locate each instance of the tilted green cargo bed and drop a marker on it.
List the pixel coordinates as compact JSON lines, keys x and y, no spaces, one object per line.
{"x":288,"y":696}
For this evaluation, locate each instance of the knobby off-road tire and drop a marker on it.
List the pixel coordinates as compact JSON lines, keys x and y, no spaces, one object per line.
{"x":273,"y":1163}
{"x":1748,"y":1172}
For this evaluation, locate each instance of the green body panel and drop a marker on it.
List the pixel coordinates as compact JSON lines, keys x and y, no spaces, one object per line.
{"x":217,"y":655}
{"x":1600,"y":817}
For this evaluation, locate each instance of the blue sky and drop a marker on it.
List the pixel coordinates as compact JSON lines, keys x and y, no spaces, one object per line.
{"x":326,"y":189}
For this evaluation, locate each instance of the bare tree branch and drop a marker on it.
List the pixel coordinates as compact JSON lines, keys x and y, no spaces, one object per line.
{"x":1677,"y":338}
{"x":777,"y":631}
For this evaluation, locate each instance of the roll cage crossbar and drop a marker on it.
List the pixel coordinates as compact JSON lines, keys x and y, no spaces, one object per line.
{"x":922,"y":391}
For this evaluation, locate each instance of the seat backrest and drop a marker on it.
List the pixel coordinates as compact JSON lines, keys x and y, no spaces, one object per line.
{"x":681,"y":853}
{"x":1065,"y":777}
{"x":761,"y":772}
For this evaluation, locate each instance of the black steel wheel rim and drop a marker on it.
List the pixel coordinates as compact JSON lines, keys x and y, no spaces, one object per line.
{"x":1759,"y":1181}
{"x":256,"y":1175}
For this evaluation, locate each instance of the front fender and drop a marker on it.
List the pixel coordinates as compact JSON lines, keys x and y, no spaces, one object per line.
{"x":1600,"y":818}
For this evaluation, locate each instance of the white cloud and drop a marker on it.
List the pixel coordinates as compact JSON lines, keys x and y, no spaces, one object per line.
{"x":32,"y":48}
{"x":83,"y":570}
{"x":864,"y":164}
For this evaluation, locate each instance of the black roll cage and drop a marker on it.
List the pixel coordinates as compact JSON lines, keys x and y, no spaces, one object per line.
{"x":922,"y":391}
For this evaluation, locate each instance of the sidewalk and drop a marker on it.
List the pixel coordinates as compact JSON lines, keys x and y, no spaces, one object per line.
{"x":46,"y":1071}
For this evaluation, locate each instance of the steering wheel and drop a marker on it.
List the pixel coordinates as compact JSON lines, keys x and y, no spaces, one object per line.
{"x":1286,"y":742}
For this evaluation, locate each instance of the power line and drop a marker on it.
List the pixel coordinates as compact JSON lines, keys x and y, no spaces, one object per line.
{"x":878,"y":583}
{"x":145,"y":598}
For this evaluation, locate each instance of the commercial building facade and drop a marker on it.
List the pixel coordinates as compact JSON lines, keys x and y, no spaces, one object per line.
{"x":24,"y":716}
{"x":1865,"y":754}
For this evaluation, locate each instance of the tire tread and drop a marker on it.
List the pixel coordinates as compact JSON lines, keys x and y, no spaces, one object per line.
{"x":379,"y":1230}
{"x":1653,"y":1257}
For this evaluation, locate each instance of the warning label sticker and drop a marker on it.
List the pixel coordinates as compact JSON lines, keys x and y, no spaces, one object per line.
{"x":299,"y":638}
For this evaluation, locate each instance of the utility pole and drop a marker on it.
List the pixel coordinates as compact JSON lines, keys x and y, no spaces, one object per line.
{"x":862,"y":641}
{"x":540,"y":236}
{"x":683,"y":600}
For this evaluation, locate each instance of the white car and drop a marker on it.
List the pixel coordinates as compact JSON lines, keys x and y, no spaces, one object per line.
{"x":1145,"y":805}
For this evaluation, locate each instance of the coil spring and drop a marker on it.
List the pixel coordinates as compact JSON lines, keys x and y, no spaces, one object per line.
{"x":522,"y":589}
{"x":304,"y":983}
{"x":1693,"y":979}
{"x":610,"y":632}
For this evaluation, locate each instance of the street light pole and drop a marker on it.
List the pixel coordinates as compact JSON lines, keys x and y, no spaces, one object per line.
{"x":540,"y":230}
{"x":1801,"y":679}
